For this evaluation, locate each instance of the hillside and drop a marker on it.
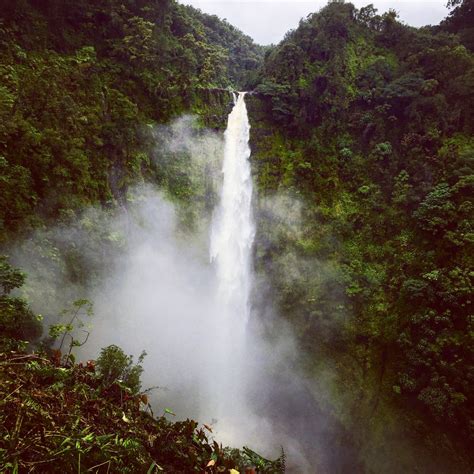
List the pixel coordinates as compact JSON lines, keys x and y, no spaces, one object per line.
{"x":77,"y":418}
{"x":80,"y":82}
{"x":367,"y":123}
{"x":362,"y":140}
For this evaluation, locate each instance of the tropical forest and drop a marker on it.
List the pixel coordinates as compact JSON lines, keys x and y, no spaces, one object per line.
{"x":218,"y":256}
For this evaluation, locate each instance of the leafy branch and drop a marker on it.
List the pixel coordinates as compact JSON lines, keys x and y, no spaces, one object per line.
{"x":80,"y":308}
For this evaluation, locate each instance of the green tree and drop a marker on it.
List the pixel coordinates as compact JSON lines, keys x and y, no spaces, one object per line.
{"x":18,"y":324}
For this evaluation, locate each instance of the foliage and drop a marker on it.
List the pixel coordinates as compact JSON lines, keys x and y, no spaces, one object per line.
{"x":365,"y":122}
{"x":18,"y":324}
{"x":368,"y":124}
{"x":79,"y":308}
{"x":81,"y":82}
{"x":55,"y":419}
{"x":114,"y":366}
{"x":460,"y":21}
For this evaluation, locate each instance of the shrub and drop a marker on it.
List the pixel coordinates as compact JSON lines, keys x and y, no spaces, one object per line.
{"x":114,"y":366}
{"x":18,"y":324}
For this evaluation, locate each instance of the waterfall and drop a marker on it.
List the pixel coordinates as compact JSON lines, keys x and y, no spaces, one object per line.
{"x":233,"y":229}
{"x":232,"y":237}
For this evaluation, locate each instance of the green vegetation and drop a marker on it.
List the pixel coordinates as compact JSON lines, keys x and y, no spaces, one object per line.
{"x":368,"y":123}
{"x":363,"y":124}
{"x":80,"y":84}
{"x":18,"y":324}
{"x":460,"y":21}
{"x":115,"y":366}
{"x":72,"y":420}
{"x":66,"y":331}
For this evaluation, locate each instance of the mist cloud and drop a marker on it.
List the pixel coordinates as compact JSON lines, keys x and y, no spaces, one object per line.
{"x":153,"y":288}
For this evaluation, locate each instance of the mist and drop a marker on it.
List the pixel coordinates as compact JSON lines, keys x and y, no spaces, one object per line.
{"x":157,"y":293}
{"x":147,"y":271}
{"x":146,"y":268}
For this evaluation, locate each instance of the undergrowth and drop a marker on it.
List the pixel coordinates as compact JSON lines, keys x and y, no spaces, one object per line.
{"x":64,"y":419}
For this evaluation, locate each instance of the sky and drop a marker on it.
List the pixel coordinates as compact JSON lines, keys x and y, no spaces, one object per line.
{"x":267,"y":21}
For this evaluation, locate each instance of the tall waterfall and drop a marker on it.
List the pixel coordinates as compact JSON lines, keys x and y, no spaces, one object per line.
{"x":232,"y":237}
{"x":233,"y":229}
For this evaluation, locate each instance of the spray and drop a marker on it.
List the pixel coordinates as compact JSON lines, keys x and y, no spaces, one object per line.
{"x":232,"y":237}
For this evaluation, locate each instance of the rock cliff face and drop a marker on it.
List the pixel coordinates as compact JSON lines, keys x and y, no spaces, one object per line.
{"x":213,"y":105}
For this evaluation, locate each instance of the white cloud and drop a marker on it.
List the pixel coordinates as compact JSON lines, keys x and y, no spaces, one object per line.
{"x":267,"y":21}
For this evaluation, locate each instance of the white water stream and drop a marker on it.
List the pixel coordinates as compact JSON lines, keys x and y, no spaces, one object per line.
{"x":232,"y":237}
{"x":233,"y":229}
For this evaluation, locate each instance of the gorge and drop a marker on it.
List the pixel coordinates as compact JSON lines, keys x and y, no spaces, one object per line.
{"x":295,"y":261}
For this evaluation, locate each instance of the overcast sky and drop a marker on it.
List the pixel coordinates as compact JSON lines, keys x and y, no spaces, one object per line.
{"x":267,"y":21}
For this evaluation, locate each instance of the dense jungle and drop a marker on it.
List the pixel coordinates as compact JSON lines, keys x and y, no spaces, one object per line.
{"x":362,"y":161}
